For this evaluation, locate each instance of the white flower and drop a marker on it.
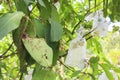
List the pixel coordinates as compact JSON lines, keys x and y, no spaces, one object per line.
{"x":76,"y":53}
{"x":104,"y":77}
{"x":100,"y":24}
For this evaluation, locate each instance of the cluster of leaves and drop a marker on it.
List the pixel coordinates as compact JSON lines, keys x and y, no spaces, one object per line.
{"x":42,"y":29}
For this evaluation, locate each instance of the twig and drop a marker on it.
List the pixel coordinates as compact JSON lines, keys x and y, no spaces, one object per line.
{"x":6,"y":50}
{"x":91,"y":75}
{"x":4,"y":57}
{"x":89,"y":37}
{"x":64,"y":54}
{"x":66,"y":66}
{"x":88,"y":33}
{"x":85,"y":15}
{"x":76,"y":26}
{"x":94,"y":7}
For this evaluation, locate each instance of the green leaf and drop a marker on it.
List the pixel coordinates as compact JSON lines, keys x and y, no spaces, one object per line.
{"x":56,"y":28}
{"x":29,"y":1}
{"x":54,"y":14}
{"x":53,"y":45}
{"x":98,"y":46}
{"x":41,"y":3}
{"x":21,"y":6}
{"x":43,"y":74}
{"x":9,"y":22}
{"x":40,"y":28}
{"x":107,"y":71}
{"x":115,"y":28}
{"x":31,"y":29}
{"x":115,"y":68}
{"x":56,"y":31}
{"x":74,"y":74}
{"x":94,"y":59}
{"x":94,"y":64}
{"x":39,"y":50}
{"x":44,"y":11}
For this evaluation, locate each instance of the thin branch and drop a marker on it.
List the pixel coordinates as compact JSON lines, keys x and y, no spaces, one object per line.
{"x":6,"y":50}
{"x":89,"y":37}
{"x":63,"y":54}
{"x":88,"y":33}
{"x":4,"y":57}
{"x":91,"y":75}
{"x":73,"y":31}
{"x":85,"y":15}
{"x":66,"y":66}
{"x":93,"y":7}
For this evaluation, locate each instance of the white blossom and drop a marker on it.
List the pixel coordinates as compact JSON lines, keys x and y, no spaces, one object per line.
{"x":100,"y":23}
{"x":104,"y":77}
{"x":76,"y":53}
{"x":101,"y":26}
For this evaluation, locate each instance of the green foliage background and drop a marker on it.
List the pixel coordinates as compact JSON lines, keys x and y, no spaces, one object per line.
{"x":41,"y":19}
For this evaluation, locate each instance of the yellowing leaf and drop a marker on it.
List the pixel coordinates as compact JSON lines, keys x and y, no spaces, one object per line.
{"x":39,"y":50}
